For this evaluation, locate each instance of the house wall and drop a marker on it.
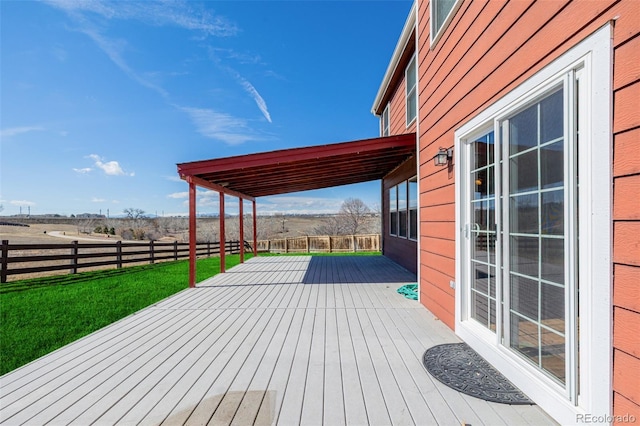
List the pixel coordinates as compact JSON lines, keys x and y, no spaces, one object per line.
{"x":626,"y":213}
{"x":398,"y":111}
{"x":403,"y":251}
{"x":488,"y":49}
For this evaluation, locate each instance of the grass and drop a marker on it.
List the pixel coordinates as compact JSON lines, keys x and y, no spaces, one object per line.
{"x":40,"y":315}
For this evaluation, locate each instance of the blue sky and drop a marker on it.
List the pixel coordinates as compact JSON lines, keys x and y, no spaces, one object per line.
{"x":100,"y":100}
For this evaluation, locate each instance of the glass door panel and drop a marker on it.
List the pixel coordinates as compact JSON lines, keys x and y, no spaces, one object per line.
{"x":482,"y":232}
{"x":536,"y":234}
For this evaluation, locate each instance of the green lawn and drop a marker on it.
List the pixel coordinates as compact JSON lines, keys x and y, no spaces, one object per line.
{"x":40,"y":315}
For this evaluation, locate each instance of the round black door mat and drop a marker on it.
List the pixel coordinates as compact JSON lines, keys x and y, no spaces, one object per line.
{"x":461,"y":368}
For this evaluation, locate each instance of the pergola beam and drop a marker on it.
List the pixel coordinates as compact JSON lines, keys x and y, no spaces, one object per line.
{"x":215,"y":187}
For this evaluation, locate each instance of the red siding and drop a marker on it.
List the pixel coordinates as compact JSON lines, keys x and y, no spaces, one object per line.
{"x":398,"y":112}
{"x":488,"y":49}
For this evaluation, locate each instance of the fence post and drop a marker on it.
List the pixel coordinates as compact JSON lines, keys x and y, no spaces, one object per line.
{"x":353,"y":242}
{"x":308,"y":248}
{"x":151,"y":249}
{"x":119,"y":254}
{"x":286,"y":245}
{"x":330,"y":244}
{"x":208,"y":248}
{"x":74,"y":260}
{"x":5,"y":261}
{"x":175,"y":250}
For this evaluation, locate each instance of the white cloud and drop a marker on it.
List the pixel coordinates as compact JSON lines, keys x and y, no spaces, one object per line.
{"x":174,"y":179}
{"x":179,"y":195}
{"x":13,"y":131}
{"x":181,"y":14}
{"x":111,"y":168}
{"x":221,"y":126}
{"x":262,"y":105}
{"x":98,"y":200}
{"x":113,"y":49}
{"x":22,"y":203}
{"x":204,"y":194}
{"x":83,"y":171}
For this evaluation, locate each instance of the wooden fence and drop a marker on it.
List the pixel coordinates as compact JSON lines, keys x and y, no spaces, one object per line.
{"x":321,"y":244}
{"x":21,"y":259}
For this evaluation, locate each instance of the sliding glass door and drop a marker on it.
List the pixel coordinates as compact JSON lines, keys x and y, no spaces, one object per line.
{"x":521,"y":232}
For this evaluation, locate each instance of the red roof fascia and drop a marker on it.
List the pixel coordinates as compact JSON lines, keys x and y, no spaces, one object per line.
{"x":294,"y":154}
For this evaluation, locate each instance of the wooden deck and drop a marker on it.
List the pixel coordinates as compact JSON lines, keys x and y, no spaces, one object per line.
{"x":277,"y":340}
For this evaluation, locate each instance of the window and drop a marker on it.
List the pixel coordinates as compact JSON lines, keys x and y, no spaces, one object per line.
{"x":413,"y":208}
{"x":412,"y":94}
{"x":403,"y":209}
{"x":441,"y":10}
{"x":533,"y":260}
{"x":384,"y":122}
{"x":393,"y":210}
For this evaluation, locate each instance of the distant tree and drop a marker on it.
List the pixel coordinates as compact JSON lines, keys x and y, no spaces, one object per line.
{"x":355,"y":214}
{"x":137,"y":222}
{"x":132,"y":213}
{"x":353,"y":217}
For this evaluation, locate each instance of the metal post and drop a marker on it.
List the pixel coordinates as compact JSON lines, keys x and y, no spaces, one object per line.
{"x":192,"y":234}
{"x":222,"y":235}
{"x":241,"y":208}
{"x":255,"y":230}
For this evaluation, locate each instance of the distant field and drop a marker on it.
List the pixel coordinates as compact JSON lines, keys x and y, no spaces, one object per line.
{"x":269,"y":227}
{"x":36,"y":233}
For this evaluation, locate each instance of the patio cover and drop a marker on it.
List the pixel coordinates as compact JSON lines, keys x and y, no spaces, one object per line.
{"x":302,"y":169}
{"x":290,"y":170}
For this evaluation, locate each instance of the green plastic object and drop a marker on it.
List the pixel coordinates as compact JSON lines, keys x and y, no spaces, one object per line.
{"x":410,"y":291}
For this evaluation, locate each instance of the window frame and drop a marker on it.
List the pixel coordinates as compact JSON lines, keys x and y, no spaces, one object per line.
{"x":410,"y":209}
{"x":393,"y":213}
{"x":407,"y":209}
{"x":384,"y":122}
{"x":594,"y":56}
{"x":436,"y":33}
{"x":413,"y":91}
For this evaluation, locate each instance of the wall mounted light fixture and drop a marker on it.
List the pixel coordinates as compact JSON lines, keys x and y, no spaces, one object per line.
{"x":443,"y":156}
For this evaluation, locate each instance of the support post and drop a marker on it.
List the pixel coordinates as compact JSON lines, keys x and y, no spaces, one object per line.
{"x":222,"y":235}
{"x":255,"y":230}
{"x":5,"y":261}
{"x":152,"y":252}
{"x":192,"y":234}
{"x":119,"y":254}
{"x":241,"y":211}
{"x":74,"y":261}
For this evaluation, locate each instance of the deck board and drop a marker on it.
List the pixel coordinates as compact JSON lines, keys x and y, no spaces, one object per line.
{"x":276,"y":340}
